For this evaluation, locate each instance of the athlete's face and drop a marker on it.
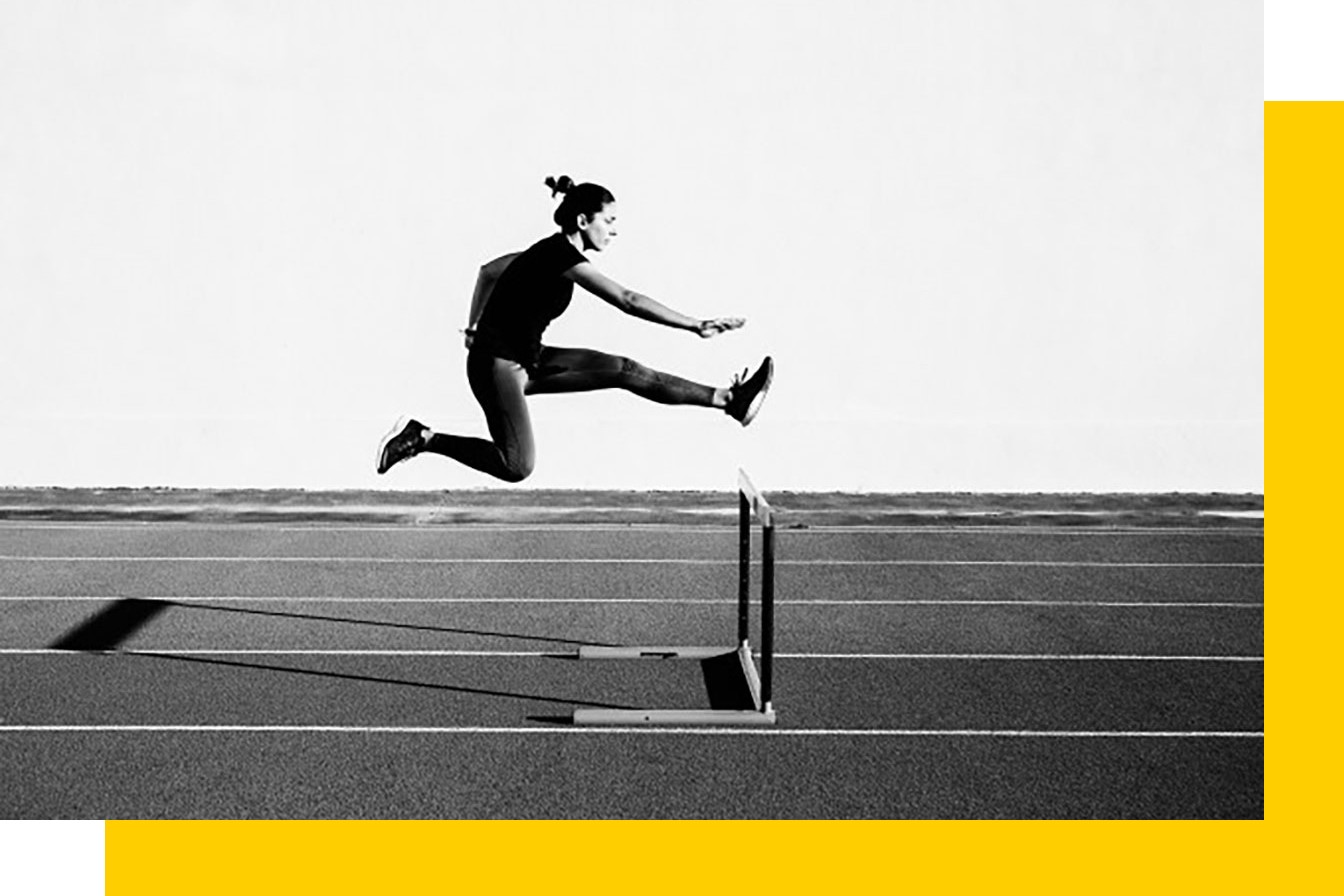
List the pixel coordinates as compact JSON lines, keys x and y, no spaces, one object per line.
{"x":599,"y":230}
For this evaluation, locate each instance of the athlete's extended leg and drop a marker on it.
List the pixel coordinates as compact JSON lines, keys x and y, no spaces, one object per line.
{"x":584,"y":370}
{"x":500,"y":387}
{"x":511,"y":453}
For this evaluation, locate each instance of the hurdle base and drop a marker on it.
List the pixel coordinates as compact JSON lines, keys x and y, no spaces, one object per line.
{"x":687,"y":717}
{"x":760,"y":715}
{"x":589,"y":652}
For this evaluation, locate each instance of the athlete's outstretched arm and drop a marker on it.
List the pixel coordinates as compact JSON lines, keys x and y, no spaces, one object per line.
{"x":585,"y":274}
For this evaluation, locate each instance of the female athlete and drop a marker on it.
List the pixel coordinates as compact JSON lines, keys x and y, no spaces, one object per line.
{"x":516,"y":298}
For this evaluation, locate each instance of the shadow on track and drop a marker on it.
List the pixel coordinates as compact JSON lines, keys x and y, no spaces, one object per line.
{"x":725,"y":685}
{"x":397,"y":625}
{"x":347,"y":676}
{"x":113,"y":625}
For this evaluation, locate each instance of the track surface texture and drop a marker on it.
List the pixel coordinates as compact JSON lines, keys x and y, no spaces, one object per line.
{"x":255,"y":655}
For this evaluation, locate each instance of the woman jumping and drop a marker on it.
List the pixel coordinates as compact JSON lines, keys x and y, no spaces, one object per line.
{"x":516,"y":298}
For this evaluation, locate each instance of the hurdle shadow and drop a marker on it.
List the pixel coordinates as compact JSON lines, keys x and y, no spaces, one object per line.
{"x":401,"y":626}
{"x":110,"y":627}
{"x":114,"y":625}
{"x":725,"y":683}
{"x":253,"y":665}
{"x":726,"y":687}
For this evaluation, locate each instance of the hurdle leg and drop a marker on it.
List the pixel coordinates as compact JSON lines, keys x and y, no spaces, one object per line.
{"x":767,"y":612}
{"x":743,"y":568}
{"x":749,"y":502}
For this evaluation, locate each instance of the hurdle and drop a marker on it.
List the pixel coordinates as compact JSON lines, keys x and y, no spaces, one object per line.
{"x":750,"y":503}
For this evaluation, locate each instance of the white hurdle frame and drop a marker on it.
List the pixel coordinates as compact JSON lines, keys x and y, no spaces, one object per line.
{"x":750,"y":503}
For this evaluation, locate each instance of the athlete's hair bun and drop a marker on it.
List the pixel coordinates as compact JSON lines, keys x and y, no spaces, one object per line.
{"x":580,"y":199}
{"x":563,"y":185}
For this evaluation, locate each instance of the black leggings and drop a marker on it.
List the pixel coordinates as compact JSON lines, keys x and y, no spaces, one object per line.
{"x":500,"y":386}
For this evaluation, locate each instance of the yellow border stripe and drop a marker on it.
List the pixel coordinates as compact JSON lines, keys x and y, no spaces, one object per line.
{"x":656,"y":857}
{"x":1304,"y":286}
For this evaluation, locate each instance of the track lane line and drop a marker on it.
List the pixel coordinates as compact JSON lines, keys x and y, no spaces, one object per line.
{"x":822,"y":602}
{"x":573,"y":730}
{"x":624,"y":561}
{"x":563,"y":653}
{"x":440,"y":528}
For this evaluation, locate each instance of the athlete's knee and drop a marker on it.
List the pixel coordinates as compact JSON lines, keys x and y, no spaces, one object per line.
{"x":635,"y":374}
{"x":517,"y":468}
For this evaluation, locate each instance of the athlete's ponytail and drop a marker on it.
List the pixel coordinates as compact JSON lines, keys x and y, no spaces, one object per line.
{"x":580,"y":199}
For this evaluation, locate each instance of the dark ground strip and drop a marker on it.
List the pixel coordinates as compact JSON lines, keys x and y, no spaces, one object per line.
{"x":552,"y":770}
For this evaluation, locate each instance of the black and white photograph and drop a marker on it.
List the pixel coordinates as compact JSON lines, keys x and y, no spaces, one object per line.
{"x":640,"y":410}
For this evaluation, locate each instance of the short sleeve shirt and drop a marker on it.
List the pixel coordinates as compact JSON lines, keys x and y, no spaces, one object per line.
{"x":531,"y":293}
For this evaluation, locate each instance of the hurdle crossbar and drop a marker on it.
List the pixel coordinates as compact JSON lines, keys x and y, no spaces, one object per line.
{"x":750,"y":503}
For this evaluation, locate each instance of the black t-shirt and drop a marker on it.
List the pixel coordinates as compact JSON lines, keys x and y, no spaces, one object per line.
{"x":531,"y":293}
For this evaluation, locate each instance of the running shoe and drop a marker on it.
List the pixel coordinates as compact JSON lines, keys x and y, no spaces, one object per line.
{"x":402,"y":442}
{"x":748,"y":393}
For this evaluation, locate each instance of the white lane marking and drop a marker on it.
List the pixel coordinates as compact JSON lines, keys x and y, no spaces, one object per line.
{"x":621,"y":561}
{"x":1044,"y":657}
{"x":821,"y":602}
{"x":1090,"y":564}
{"x":566,"y":729}
{"x":561,"y":650}
{"x":445,"y":528}
{"x":284,"y":652}
{"x":1034,"y":531}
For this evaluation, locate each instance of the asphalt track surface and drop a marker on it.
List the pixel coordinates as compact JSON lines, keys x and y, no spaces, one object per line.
{"x":257,"y":670}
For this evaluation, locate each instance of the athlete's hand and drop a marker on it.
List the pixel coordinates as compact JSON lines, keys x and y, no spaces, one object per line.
{"x":719,"y":325}
{"x":468,"y":337}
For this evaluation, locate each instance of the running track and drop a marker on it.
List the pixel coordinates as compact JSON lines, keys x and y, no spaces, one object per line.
{"x":319,"y":670}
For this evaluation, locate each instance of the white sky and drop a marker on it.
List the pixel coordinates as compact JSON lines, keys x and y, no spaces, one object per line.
{"x":991,"y":245}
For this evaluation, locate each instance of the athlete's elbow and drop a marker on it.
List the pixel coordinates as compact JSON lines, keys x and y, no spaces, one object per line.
{"x":495,"y":266}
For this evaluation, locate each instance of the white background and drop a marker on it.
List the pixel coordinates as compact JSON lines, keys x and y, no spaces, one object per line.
{"x":991,"y":245}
